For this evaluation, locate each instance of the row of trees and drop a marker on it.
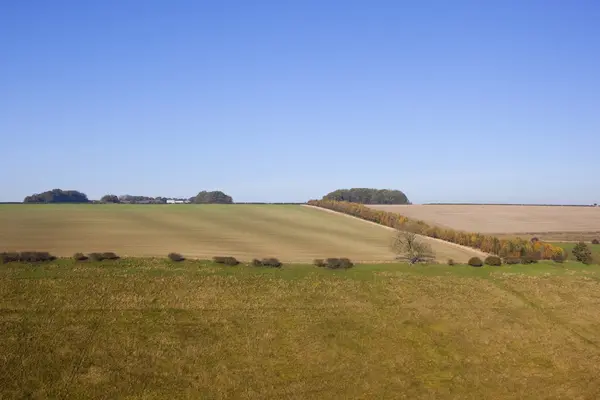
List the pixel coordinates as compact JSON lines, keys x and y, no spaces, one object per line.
{"x":490,"y":244}
{"x":57,"y":196}
{"x":368,"y":196}
{"x":73,"y":196}
{"x":204,"y":197}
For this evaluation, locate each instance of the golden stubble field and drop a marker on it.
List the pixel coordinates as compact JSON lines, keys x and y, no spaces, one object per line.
{"x":151,"y":329}
{"x":290,"y":232}
{"x":549,"y":222}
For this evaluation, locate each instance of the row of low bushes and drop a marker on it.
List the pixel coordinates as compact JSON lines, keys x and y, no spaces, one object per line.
{"x":95,"y":256}
{"x":37,"y":256}
{"x":334,"y":263}
{"x":496,"y":261}
{"x":489,"y":244}
{"x":26,"y":256}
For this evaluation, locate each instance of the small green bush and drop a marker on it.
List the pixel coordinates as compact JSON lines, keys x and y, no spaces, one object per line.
{"x":338,"y":263}
{"x":451,"y":262}
{"x":225,"y":260}
{"x":110,"y":256}
{"x":346,"y":263}
{"x":582,"y":253}
{"x":475,"y":262}
{"x":595,"y":241}
{"x":7,"y":257}
{"x":79,"y":257}
{"x":494,"y":261}
{"x":271,"y":262}
{"x":256,"y":263}
{"x":529,"y":259}
{"x":512,"y":260}
{"x":96,"y":256}
{"x":36,"y":256}
{"x":176,"y":257}
{"x":319,"y":262}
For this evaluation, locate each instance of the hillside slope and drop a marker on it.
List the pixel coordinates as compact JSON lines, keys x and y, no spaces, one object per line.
{"x":292,"y":233}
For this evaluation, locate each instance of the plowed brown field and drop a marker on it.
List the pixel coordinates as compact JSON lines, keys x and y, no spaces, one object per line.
{"x":553,"y":221}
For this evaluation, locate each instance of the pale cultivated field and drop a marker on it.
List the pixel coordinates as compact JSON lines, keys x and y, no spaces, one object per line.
{"x":291,"y":233}
{"x":504,"y":219}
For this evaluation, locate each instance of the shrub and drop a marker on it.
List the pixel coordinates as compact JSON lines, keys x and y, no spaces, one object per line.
{"x":9,"y":257}
{"x":475,"y":262}
{"x":582,"y":253}
{"x":110,"y":256}
{"x":271,"y":262}
{"x":79,"y":257}
{"x":35,"y":256}
{"x":257,"y":263}
{"x":26,"y":256}
{"x":595,"y":241}
{"x":319,"y":262}
{"x":225,"y":260}
{"x":494,"y":261}
{"x":337,"y":263}
{"x":451,"y":262}
{"x":176,"y":257}
{"x":529,"y":259}
{"x":512,"y":260}
{"x":96,"y":256}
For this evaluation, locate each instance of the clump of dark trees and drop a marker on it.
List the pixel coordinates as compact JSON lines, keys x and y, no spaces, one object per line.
{"x":215,"y":197}
{"x":57,"y":196}
{"x":368,"y":196}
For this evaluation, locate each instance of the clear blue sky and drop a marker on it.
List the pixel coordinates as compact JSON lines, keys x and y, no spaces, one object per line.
{"x":456,"y":101}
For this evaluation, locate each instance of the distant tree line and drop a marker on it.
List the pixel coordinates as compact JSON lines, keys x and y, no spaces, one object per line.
{"x":368,"y":196}
{"x":204,"y":197}
{"x":73,"y":196}
{"x":57,"y":196}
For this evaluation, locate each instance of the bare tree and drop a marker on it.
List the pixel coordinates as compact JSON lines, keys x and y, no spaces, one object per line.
{"x":409,"y":246}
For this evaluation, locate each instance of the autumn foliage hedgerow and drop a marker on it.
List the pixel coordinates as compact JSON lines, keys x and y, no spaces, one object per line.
{"x":489,"y":244}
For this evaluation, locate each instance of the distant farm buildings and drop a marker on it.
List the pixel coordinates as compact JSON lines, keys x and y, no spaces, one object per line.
{"x":177,"y":201}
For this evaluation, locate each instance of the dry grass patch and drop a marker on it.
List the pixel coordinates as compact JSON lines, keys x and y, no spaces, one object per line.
{"x":129,"y":329}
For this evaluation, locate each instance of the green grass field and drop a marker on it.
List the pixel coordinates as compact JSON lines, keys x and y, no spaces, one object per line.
{"x":292,"y":233}
{"x":149,"y":329}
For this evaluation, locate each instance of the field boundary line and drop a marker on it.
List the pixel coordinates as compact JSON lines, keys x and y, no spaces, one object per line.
{"x":459,"y":246}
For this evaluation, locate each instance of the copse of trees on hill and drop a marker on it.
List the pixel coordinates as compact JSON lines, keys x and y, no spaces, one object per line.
{"x":368,"y":196}
{"x":490,"y":244}
{"x":57,"y":196}
{"x":215,"y":197}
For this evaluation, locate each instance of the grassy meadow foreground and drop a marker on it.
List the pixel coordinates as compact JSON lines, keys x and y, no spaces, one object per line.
{"x":143,"y":328}
{"x":552,"y":223}
{"x":290,"y":232}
